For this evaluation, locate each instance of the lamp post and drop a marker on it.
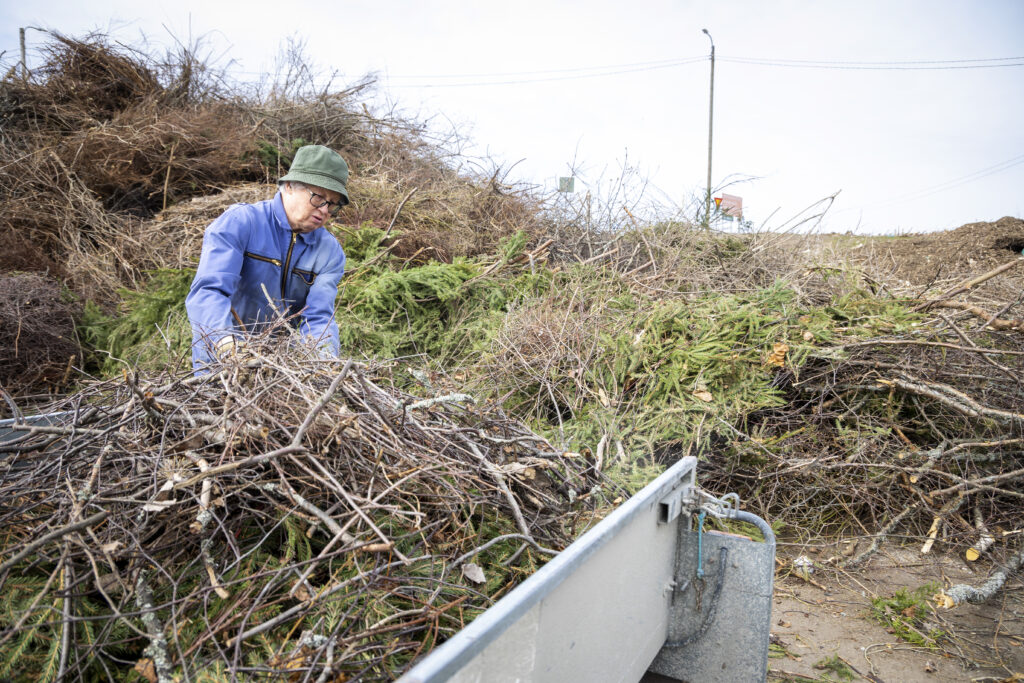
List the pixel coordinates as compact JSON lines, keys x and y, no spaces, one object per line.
{"x":711,"y":121}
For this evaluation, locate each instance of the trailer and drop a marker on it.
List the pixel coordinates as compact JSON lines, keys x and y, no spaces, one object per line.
{"x":647,"y":595}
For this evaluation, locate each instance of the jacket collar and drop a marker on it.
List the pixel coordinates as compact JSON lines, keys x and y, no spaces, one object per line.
{"x":281,"y":219}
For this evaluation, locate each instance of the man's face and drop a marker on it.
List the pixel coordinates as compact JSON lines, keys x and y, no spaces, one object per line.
{"x":298,"y":206}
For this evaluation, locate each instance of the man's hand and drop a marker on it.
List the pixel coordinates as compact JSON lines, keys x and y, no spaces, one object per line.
{"x":235,"y":349}
{"x":228,"y":347}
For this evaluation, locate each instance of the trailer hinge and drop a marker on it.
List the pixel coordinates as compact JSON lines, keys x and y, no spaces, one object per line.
{"x":691,"y":499}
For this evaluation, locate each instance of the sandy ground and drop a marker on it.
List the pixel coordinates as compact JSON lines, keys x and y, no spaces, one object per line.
{"x":831,"y":616}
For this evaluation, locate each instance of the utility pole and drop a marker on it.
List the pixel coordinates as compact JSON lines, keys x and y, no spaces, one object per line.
{"x":711,"y":121}
{"x":24,"y":66}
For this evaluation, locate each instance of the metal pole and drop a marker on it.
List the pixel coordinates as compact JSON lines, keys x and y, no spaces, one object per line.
{"x":24,"y":65}
{"x":711,"y":121}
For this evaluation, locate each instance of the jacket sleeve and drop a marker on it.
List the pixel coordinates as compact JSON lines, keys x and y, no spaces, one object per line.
{"x":220,"y":267}
{"x":318,"y":316}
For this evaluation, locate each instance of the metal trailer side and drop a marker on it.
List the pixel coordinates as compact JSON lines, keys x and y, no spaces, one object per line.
{"x":8,"y":432}
{"x":638,"y":593}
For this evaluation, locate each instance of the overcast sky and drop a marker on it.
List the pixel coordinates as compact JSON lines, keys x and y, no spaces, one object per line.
{"x":598,"y":84}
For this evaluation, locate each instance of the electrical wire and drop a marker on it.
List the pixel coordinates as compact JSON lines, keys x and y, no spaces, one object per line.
{"x":617,"y":69}
{"x":943,"y":187}
{"x":483,"y":79}
{"x":612,"y":70}
{"x":910,"y":65}
{"x":568,"y":77}
{"x":543,"y":72}
{"x":882,"y":62}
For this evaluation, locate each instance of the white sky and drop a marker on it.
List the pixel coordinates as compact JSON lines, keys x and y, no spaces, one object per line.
{"x":910,"y":150}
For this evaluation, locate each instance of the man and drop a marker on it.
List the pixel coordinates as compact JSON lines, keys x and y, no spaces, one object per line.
{"x":279,"y":249}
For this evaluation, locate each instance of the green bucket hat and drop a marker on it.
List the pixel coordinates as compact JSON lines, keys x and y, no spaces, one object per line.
{"x":320,"y":166}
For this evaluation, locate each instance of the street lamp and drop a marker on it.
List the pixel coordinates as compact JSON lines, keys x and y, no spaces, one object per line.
{"x":711,"y":121}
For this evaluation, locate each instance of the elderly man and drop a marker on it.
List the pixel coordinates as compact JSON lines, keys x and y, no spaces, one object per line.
{"x":273,"y":258}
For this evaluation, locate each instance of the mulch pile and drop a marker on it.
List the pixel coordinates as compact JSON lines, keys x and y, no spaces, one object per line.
{"x":940,"y":257}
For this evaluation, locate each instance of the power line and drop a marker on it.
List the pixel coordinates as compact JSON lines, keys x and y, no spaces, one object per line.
{"x":909,"y":65}
{"x":659,"y":63}
{"x":389,"y":80}
{"x":613,"y":70}
{"x":578,"y":73}
{"x":567,"y":77}
{"x":655,"y":63}
{"x":882,"y":62}
{"x":558,"y":74}
{"x":945,"y":186}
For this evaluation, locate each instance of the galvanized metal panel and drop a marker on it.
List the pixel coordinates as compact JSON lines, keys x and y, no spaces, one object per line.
{"x":596,"y":612}
{"x":734,"y":646}
{"x":8,"y":433}
{"x":513,"y":658}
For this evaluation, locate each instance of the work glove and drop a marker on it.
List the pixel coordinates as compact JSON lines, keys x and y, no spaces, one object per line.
{"x":227,"y":347}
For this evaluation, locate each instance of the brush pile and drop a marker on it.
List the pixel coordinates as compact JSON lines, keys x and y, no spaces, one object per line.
{"x":38,"y":345}
{"x":278,"y":515}
{"x":834,"y":398}
{"x":97,"y":139}
{"x":904,"y":421}
{"x":102,"y":137}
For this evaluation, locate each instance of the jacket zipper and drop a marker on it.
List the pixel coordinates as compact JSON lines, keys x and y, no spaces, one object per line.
{"x":308,"y":276}
{"x":263,"y":258}
{"x":287,"y":262}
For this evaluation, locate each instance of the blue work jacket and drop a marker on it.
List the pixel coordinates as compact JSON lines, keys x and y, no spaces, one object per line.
{"x":251,"y":245}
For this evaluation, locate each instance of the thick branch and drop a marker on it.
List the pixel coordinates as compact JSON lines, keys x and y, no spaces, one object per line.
{"x":963,"y":592}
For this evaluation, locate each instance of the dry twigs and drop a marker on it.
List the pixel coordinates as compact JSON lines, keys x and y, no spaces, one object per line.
{"x":893,"y":435}
{"x":37,"y":333}
{"x":962,"y":593}
{"x":271,"y":516}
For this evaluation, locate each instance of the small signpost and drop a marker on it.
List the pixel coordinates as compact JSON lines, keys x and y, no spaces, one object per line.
{"x":730,"y":206}
{"x":567,"y":185}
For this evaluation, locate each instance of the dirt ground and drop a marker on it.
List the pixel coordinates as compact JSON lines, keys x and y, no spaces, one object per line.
{"x":830,"y":616}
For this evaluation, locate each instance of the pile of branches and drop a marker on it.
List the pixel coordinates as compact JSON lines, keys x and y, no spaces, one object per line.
{"x":279,"y":515}
{"x":914,"y":432}
{"x":95,"y":139}
{"x":101,"y":137}
{"x":38,"y":346}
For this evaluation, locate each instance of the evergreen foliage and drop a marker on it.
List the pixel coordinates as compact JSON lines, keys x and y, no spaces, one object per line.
{"x":907,"y":612}
{"x":33,"y":652}
{"x":646,"y":368}
{"x":650,"y":370}
{"x":150,"y":329}
{"x":382,"y":312}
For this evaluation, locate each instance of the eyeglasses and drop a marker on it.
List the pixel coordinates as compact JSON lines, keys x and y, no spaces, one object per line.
{"x":318,"y":200}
